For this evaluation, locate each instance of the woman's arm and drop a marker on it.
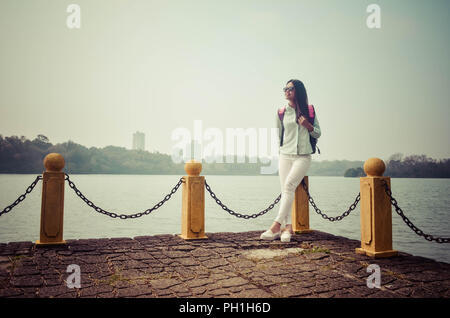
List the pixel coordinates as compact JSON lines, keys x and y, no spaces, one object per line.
{"x":278,"y":125}
{"x":315,"y":129}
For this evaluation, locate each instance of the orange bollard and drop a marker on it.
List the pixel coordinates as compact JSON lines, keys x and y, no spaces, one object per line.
{"x":300,"y":210}
{"x":193,"y":203}
{"x":52,"y":206}
{"x":376,"y":212}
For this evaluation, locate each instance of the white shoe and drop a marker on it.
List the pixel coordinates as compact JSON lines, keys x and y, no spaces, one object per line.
{"x":286,"y":236}
{"x":269,"y":235}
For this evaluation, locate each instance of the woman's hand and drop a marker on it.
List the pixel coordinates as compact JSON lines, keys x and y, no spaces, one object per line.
{"x":305,"y":123}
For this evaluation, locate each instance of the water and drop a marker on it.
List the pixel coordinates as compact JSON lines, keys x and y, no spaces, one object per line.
{"x":426,"y":202}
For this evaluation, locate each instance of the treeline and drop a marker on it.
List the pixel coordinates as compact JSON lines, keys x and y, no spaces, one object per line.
{"x":417,"y":166}
{"x":332,"y":168}
{"x":355,"y":172}
{"x":20,"y":155}
{"x":414,"y":166}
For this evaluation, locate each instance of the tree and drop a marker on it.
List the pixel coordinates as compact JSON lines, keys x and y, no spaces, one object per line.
{"x":396,"y":157}
{"x":42,"y":138}
{"x":354,"y":172}
{"x":41,"y":142}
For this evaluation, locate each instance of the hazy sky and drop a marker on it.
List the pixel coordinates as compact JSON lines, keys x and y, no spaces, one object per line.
{"x":154,"y":66}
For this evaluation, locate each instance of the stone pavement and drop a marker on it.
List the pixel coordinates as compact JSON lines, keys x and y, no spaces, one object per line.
{"x":225,"y":265}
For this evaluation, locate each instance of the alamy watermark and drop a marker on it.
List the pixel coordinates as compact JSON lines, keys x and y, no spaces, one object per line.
{"x":373,"y":21}
{"x":73,"y":21}
{"x":374,"y":280}
{"x":211,"y":145}
{"x":74,"y":279}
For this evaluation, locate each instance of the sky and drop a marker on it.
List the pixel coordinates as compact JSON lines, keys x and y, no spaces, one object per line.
{"x":157,"y":66}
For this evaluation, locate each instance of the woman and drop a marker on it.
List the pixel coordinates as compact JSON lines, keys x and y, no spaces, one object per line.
{"x":294,"y":154}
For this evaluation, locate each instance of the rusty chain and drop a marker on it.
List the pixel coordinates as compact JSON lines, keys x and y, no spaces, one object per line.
{"x":330,"y":218}
{"x":22,"y":197}
{"x":122,"y":216}
{"x":418,"y":231}
{"x":239,"y":215}
{"x":255,"y":215}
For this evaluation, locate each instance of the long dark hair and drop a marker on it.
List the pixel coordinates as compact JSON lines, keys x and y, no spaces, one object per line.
{"x":302,"y":100}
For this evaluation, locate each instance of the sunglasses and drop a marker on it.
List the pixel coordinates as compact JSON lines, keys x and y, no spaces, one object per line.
{"x":290,"y":89}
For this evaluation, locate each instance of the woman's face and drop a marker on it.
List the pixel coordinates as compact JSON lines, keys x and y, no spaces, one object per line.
{"x":289,"y":91}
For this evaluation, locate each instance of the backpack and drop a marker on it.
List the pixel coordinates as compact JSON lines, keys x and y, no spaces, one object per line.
{"x":312,"y":140}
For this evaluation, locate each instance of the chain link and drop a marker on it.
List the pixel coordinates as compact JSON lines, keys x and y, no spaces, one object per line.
{"x":418,"y":231}
{"x":22,"y":197}
{"x":239,"y":215}
{"x":122,"y":216}
{"x":330,"y":218}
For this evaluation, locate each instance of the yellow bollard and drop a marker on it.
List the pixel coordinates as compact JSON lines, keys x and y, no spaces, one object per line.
{"x":300,"y":210}
{"x":52,"y":206}
{"x":193,"y":203}
{"x":376,"y":212}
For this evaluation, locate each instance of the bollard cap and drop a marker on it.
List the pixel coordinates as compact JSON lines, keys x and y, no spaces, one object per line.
{"x":193,"y":168}
{"x":374,"y":167}
{"x":54,"y":162}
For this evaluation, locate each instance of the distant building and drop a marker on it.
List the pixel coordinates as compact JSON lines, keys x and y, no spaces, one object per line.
{"x":138,"y":141}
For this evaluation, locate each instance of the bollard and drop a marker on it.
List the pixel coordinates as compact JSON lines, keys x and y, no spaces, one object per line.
{"x":193,"y":203}
{"x":52,"y":206}
{"x":376,"y":212}
{"x":300,"y":210}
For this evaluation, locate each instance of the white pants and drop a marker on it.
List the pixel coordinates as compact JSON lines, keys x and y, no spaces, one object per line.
{"x":292,"y":169}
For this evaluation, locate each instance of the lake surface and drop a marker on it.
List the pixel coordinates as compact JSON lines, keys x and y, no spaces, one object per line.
{"x":426,"y":202}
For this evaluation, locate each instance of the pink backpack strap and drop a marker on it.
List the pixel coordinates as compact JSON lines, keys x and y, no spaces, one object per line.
{"x":311,"y":111}
{"x":281,"y":112}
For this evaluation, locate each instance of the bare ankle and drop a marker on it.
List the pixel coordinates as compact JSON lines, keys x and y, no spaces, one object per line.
{"x":275,"y":227}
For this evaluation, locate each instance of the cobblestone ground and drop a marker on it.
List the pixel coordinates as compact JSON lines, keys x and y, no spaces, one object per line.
{"x":226,"y":265}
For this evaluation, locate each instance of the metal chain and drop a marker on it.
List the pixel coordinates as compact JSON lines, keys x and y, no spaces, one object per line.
{"x":418,"y":231}
{"x":239,"y":215}
{"x":122,"y":216}
{"x":22,"y":197}
{"x":330,"y":218}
